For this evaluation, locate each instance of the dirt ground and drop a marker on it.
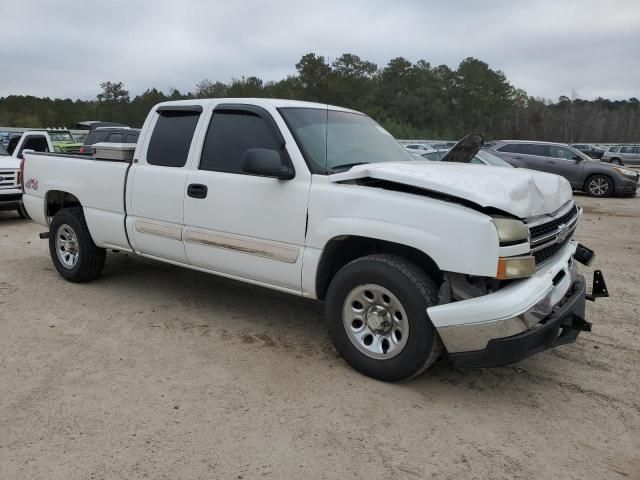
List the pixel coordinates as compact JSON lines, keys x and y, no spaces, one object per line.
{"x":158,"y":372}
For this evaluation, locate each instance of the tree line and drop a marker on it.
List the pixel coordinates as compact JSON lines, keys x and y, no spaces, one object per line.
{"x":411,"y":100}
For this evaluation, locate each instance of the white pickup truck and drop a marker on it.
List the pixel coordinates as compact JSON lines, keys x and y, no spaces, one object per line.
{"x":413,"y":259}
{"x":10,"y":159}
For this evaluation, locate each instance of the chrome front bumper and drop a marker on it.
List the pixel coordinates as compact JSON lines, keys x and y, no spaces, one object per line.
{"x":469,"y":325}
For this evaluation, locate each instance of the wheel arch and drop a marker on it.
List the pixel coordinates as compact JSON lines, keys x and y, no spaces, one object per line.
{"x":343,"y":249}
{"x":55,"y":200}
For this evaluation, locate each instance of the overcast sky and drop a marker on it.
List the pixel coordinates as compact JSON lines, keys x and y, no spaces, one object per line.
{"x":66,"y":48}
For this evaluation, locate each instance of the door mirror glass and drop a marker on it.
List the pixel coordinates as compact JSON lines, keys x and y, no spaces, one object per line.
{"x":266,"y":163}
{"x":577,"y":158}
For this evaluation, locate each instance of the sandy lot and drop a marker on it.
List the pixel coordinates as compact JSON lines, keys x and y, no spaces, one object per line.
{"x":158,"y":372}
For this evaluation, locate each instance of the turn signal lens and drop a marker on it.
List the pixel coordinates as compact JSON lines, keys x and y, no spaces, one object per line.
{"x":515,"y":267}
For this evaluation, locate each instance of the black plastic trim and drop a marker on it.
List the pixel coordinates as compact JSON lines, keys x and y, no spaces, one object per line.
{"x":180,"y":108}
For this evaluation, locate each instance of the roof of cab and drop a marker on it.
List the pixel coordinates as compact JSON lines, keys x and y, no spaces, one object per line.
{"x":260,"y":102}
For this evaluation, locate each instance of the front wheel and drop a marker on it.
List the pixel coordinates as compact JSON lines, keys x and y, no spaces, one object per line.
{"x":599,"y":186}
{"x":377,"y":317}
{"x":72,"y":250}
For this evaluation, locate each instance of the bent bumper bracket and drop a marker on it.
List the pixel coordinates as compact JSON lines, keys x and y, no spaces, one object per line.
{"x":599,"y":288}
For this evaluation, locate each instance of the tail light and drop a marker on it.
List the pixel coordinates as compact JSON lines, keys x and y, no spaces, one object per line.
{"x":82,"y":149}
{"x":21,"y":174}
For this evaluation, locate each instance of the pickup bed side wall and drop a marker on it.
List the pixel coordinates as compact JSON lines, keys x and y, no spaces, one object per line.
{"x":452,"y":235}
{"x":98,"y":185}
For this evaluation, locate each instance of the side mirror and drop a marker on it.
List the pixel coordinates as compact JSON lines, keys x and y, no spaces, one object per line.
{"x":577,"y":158}
{"x":266,"y":163}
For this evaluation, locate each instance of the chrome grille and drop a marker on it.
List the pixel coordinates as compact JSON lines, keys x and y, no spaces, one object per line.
{"x":550,"y":234}
{"x":8,"y":179}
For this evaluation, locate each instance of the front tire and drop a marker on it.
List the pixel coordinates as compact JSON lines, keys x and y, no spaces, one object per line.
{"x":74,"y":254}
{"x":599,"y":186}
{"x":377,"y":320}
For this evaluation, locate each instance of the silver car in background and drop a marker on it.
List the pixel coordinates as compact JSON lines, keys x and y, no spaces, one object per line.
{"x":594,"y":177}
{"x":622,"y":155}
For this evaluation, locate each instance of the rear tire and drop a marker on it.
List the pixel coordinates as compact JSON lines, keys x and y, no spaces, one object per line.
{"x":377,"y":320}
{"x":599,"y":186}
{"x":74,"y":254}
{"x":616,"y":161}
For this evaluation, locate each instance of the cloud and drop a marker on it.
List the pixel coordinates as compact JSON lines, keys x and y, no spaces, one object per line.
{"x":66,"y":48}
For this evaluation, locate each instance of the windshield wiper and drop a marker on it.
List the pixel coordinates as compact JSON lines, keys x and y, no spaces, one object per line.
{"x":347,"y":166}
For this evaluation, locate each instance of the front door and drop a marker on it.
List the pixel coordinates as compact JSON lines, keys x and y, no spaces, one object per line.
{"x":243,"y":225}
{"x":567,"y":163}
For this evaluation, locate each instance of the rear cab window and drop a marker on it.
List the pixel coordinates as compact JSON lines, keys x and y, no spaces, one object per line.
{"x":172,"y":134}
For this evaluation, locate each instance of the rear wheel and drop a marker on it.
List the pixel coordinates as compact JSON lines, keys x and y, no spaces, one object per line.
{"x":616,"y":161}
{"x":377,"y":320}
{"x":599,"y":186}
{"x":74,"y":254}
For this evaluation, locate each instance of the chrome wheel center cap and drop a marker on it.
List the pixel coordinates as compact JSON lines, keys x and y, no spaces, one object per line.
{"x":378,"y":319}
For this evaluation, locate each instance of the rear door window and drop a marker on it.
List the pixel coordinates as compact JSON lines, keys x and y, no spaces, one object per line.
{"x":171,"y":138}
{"x":626,"y":150}
{"x":534,"y":149}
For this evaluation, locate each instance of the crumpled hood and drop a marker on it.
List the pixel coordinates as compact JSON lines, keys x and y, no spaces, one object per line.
{"x":518,"y":191}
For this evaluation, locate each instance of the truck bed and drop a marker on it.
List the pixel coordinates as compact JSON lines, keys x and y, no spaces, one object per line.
{"x":98,"y":184}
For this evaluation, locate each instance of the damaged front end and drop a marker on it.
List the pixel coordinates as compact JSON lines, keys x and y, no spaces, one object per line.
{"x":484,"y":322}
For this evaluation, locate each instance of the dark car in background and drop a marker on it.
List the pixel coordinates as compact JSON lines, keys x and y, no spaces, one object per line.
{"x":109,"y":135}
{"x":589,"y":149}
{"x":583,"y":173}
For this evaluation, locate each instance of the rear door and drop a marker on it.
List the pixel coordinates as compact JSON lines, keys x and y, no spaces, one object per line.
{"x":532,"y":156}
{"x":243,"y":225}
{"x":563,"y":161}
{"x":155,"y":215}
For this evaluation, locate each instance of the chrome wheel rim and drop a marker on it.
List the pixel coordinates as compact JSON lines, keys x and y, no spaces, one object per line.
{"x":67,"y":247}
{"x":375,"y":321}
{"x":598,"y":186}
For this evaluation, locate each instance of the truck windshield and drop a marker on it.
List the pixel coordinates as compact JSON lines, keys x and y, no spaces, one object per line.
{"x":3,"y":151}
{"x":60,"y":137}
{"x":333,"y":141}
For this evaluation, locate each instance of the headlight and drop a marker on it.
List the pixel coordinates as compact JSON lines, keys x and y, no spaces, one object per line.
{"x":516,"y":267}
{"x":625,"y":171}
{"x":511,"y":231}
